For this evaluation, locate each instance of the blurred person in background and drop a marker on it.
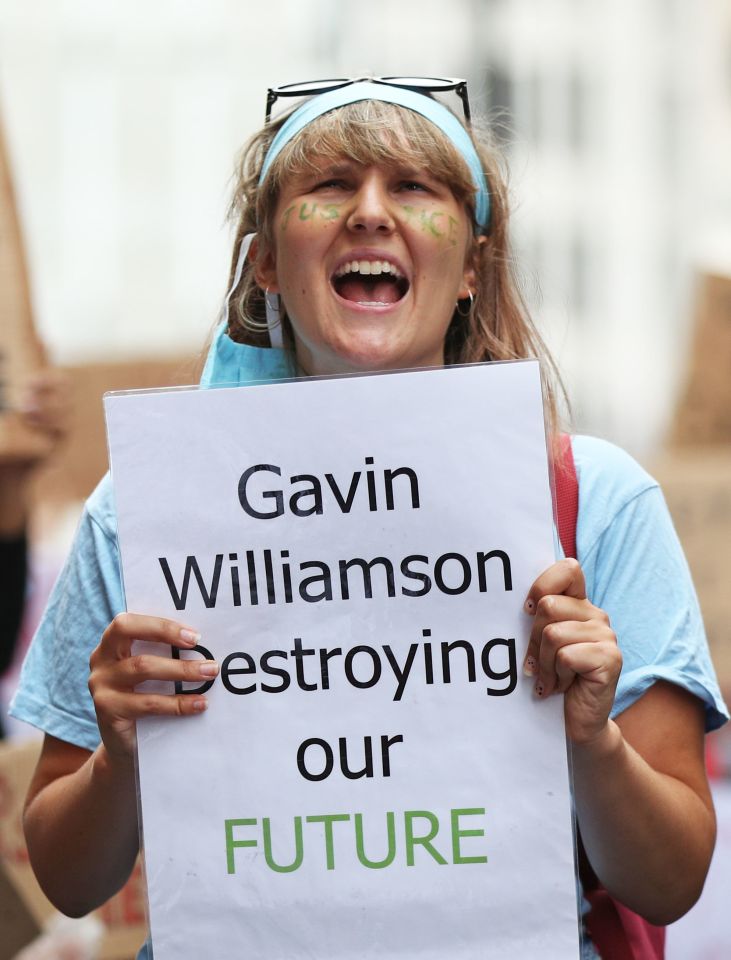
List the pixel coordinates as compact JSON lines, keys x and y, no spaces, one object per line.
{"x":44,"y":409}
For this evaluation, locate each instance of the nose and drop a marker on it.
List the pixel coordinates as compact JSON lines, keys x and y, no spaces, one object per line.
{"x":371,"y":212}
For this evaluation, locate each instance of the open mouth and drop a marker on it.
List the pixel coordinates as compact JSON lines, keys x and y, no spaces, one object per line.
{"x":370,"y":282}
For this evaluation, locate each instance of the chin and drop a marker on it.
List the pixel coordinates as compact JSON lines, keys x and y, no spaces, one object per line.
{"x":372,"y":360}
{"x":365,"y":361}
{"x":376,"y":351}
{"x":368,"y":346}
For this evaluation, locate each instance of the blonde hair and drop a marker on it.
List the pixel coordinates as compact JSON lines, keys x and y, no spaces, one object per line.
{"x":498,"y":325}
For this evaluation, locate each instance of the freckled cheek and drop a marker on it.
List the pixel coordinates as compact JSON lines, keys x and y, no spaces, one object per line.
{"x":441,"y":262}
{"x":320,"y":227}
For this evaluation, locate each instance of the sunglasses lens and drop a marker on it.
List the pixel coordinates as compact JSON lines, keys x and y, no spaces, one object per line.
{"x":424,"y":83}
{"x":314,"y":86}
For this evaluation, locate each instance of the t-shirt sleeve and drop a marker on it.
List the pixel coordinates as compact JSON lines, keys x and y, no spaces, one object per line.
{"x":636,"y":571}
{"x":53,"y":694}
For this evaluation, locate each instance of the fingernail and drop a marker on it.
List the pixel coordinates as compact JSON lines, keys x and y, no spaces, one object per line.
{"x":539,"y":689}
{"x":530,"y":667}
{"x":190,"y":637}
{"x":529,"y":606}
{"x":209,"y":668}
{"x":200,"y":705}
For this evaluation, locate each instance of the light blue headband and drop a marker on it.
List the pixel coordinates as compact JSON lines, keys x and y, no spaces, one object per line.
{"x":364,"y":90}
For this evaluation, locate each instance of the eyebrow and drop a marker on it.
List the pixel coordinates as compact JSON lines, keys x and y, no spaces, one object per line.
{"x":345,"y":166}
{"x":337,"y":169}
{"x":311,"y":173}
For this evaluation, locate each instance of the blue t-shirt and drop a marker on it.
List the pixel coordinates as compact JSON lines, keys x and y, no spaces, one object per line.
{"x":632,"y":561}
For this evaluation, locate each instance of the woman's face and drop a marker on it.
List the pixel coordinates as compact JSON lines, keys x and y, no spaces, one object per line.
{"x":369,"y":262}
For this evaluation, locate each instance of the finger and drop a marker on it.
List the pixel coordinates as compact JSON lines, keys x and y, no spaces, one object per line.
{"x":138,"y":669}
{"x":47,"y":382}
{"x":563,"y":577}
{"x":556,"y":607}
{"x":597,"y":663}
{"x":52,"y":421}
{"x":115,"y":707}
{"x":117,"y":639}
{"x":552,"y":609}
{"x":556,"y":660}
{"x":46,"y":390}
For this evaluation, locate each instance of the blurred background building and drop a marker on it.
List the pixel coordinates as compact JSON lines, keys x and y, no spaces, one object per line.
{"x":622,"y":139}
{"x":122,"y":121}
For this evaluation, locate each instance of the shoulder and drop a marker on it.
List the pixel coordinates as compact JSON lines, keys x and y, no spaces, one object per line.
{"x":611,"y":483}
{"x":602,"y":466}
{"x":635,"y":570}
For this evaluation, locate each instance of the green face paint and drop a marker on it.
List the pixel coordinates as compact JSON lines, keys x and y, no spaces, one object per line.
{"x":310,"y":211}
{"x":429,"y":223}
{"x":410,"y":213}
{"x":452,"y":233}
{"x":285,"y":217}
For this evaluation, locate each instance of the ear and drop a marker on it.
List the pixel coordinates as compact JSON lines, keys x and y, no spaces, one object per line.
{"x":469,"y":277}
{"x":265,"y":265}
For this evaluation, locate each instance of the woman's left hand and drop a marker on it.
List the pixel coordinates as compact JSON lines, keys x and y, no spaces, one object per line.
{"x":572,"y":650}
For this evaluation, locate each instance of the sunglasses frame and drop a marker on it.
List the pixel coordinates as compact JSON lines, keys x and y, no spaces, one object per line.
{"x":314,"y":88}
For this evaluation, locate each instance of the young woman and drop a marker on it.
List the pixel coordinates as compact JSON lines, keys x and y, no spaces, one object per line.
{"x":372,"y":235}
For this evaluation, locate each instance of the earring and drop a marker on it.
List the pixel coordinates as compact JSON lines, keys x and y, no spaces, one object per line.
{"x":469,"y":309}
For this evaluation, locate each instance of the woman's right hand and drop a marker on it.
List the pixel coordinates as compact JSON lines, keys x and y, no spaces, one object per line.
{"x":115,"y":672}
{"x":76,"y":793}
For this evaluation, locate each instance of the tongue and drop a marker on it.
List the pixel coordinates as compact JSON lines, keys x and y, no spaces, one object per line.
{"x":361,"y":290}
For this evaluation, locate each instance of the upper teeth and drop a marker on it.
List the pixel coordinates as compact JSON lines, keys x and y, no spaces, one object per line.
{"x":368,"y":267}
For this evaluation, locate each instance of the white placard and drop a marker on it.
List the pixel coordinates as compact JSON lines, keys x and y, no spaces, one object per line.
{"x":373,"y":777}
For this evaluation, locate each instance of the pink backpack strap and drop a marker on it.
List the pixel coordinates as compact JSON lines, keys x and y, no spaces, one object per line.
{"x":618,"y":933}
{"x":567,"y":495}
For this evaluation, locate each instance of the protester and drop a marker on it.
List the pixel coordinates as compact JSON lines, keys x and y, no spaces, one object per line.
{"x":372,"y":234}
{"x":44,"y":409}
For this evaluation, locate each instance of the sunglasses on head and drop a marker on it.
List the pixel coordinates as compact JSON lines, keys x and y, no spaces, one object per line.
{"x":425,"y":85}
